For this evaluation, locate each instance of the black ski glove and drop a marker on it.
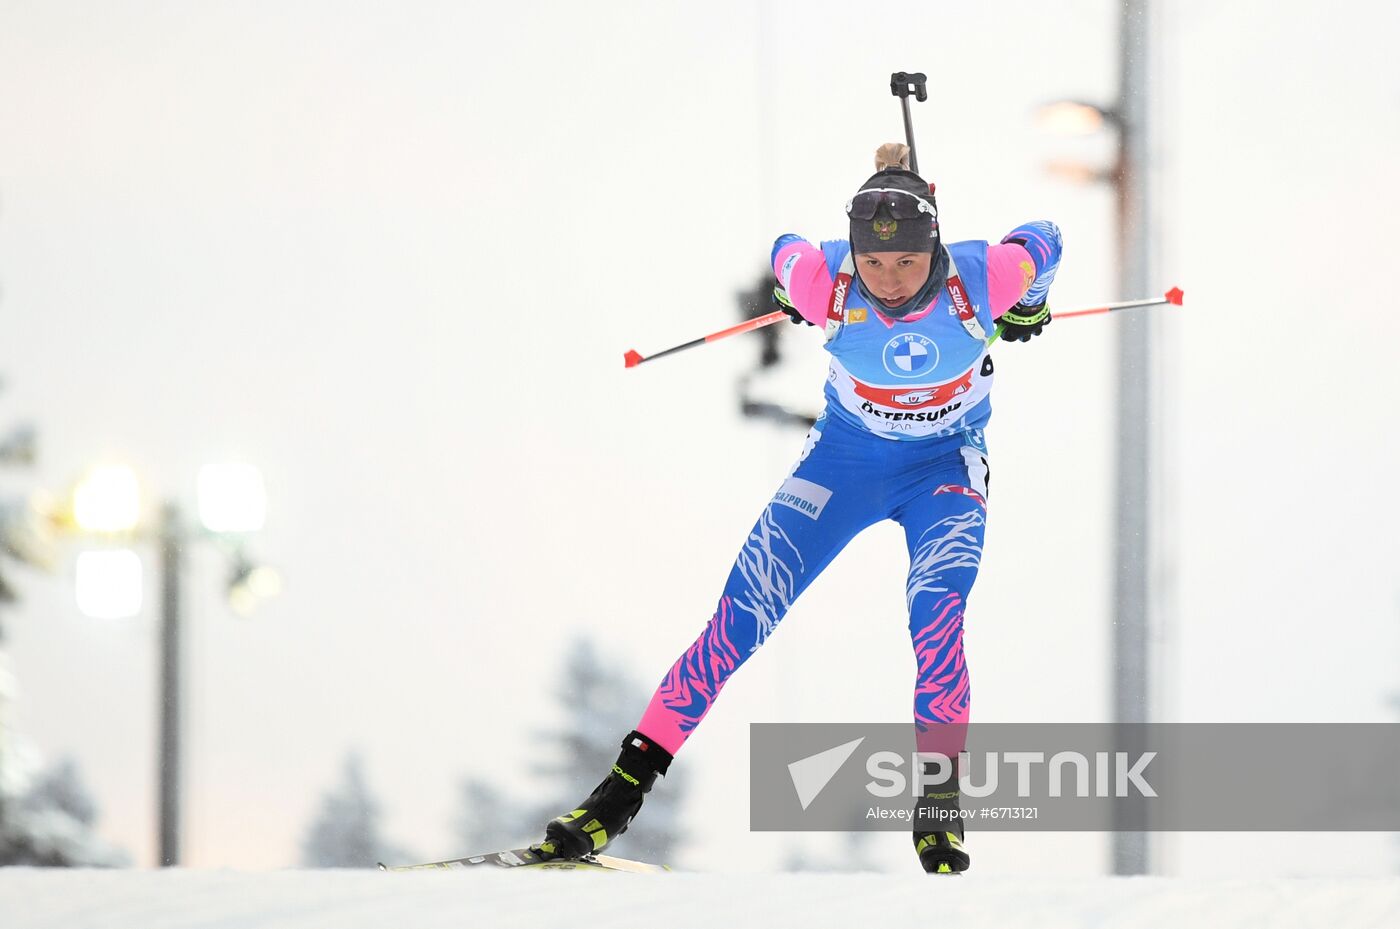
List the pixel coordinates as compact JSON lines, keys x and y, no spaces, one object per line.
{"x":1022,"y":323}
{"x":781,"y":301}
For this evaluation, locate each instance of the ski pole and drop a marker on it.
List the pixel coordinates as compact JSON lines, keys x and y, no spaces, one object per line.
{"x":902,"y":85}
{"x":634,"y":358}
{"x":1172,"y":297}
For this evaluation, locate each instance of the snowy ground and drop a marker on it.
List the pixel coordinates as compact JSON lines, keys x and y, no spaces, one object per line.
{"x":78,"y":899}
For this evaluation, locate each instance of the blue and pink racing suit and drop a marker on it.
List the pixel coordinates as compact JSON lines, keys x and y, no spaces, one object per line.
{"x":901,"y":438}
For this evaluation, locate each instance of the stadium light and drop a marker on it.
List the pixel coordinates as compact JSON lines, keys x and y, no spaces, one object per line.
{"x":232,"y":498}
{"x":107,"y":500}
{"x":108,"y":583}
{"x":1073,"y":117}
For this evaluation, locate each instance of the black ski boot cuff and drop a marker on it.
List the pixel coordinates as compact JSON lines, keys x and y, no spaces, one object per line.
{"x":642,"y":760}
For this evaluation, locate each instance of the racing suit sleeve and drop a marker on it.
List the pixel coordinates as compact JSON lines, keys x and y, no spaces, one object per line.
{"x":801,"y":270}
{"x":1022,"y":268}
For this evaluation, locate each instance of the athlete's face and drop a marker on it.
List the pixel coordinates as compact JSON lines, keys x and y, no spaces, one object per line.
{"x":894,"y":277}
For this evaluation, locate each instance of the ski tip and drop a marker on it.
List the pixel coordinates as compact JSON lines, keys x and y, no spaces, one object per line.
{"x":1174,"y":296}
{"x":383,"y":866}
{"x":632,"y":359}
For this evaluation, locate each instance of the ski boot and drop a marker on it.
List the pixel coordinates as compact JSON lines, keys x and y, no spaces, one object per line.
{"x":606,"y":813}
{"x":938,"y":828}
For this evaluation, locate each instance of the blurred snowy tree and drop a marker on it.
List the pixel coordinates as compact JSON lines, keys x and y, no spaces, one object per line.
{"x":50,"y":824}
{"x":489,"y":820}
{"x":600,"y":704}
{"x":839,"y":852}
{"x":346,"y":832}
{"x":61,"y":788}
{"x":48,"y":820}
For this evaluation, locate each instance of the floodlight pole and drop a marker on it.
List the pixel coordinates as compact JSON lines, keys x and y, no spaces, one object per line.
{"x":171,"y":542}
{"x":1132,"y":524}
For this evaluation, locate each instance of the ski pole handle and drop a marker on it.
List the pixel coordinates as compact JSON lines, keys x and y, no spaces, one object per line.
{"x":1173,"y":297}
{"x":633,"y":358}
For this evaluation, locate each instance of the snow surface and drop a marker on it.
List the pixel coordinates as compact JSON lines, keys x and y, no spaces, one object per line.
{"x":188,"y":899}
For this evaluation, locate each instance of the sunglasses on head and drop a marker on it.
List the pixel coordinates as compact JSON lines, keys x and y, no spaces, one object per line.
{"x":900,"y":203}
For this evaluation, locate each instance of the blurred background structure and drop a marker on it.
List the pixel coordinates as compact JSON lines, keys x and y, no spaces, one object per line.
{"x":107,"y":507}
{"x":393,"y":255}
{"x":1136,"y":540}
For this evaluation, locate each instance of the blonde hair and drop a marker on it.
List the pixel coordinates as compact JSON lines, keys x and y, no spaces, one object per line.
{"x":892,"y":155}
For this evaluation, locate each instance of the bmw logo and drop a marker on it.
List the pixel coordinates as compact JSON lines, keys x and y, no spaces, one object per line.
{"x":910,"y":355}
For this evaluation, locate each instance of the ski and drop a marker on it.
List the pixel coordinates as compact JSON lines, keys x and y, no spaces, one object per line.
{"x":526,"y":858}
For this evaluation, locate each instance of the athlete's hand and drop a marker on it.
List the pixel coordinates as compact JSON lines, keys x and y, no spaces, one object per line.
{"x":782,"y":302}
{"x":1022,"y":323}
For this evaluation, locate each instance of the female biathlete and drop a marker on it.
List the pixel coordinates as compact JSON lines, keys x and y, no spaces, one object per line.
{"x":908,"y":321}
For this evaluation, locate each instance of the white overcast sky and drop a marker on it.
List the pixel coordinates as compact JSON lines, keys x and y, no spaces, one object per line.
{"x":393,"y":253}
